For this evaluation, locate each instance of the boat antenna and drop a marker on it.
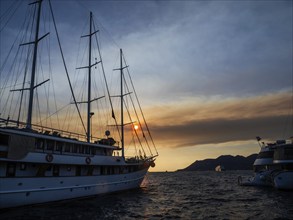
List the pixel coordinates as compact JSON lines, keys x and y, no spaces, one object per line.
{"x":258,"y":140}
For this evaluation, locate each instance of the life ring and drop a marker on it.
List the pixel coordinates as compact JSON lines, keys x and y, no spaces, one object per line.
{"x":49,"y":158}
{"x":88,"y":160}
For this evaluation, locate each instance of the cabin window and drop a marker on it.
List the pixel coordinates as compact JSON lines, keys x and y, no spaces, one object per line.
{"x":90,"y":171}
{"x":50,"y":145}
{"x":59,"y":146}
{"x":78,"y":171}
{"x":10,"y":171}
{"x":3,"y":154}
{"x":266,"y":154}
{"x":4,"y":139}
{"x":22,"y":166}
{"x":98,"y":151}
{"x":103,"y":170}
{"x":40,"y":144}
{"x":125,"y":170}
{"x":67,"y":147}
{"x":74,"y":149}
{"x":289,"y":166}
{"x":81,"y":149}
{"x":55,"y":170}
{"x":87,"y":149}
{"x":288,"y":153}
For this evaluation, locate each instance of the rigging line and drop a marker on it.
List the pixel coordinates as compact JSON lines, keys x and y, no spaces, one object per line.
{"x":38,"y":107}
{"x":103,"y":70}
{"x":51,"y":76}
{"x":11,"y":70}
{"x":25,"y":71}
{"x":65,"y":66}
{"x":16,"y":39}
{"x":8,"y":10}
{"x":47,"y":91}
{"x":15,"y":109}
{"x":100,"y":23}
{"x":128,"y":112}
{"x":141,"y":109}
{"x":136,"y":153}
{"x":10,"y":16}
{"x":14,"y":61}
{"x":80,"y":90}
{"x":55,"y":112}
{"x":76,"y":73}
{"x":107,"y":32}
{"x":17,"y":84}
{"x":23,"y":84}
{"x":136,"y":114}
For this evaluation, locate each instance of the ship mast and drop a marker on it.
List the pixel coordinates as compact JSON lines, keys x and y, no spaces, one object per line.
{"x":34,"y":64}
{"x":122,"y":99}
{"x":89,"y":67}
{"x":32,"y":84}
{"x":89,"y":82}
{"x":122,"y":118}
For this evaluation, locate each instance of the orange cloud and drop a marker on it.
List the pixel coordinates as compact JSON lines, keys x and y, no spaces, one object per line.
{"x":192,"y":122}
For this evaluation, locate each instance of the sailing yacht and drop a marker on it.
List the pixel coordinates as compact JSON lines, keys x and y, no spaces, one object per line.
{"x":40,"y":163}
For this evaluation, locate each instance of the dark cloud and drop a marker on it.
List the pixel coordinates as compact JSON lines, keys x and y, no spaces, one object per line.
{"x":220,"y":131}
{"x":224,"y":121}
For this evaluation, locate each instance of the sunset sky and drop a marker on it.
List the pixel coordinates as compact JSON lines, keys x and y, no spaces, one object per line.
{"x":211,"y":75}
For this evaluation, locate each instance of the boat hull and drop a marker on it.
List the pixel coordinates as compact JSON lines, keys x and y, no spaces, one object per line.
{"x":284,"y":180}
{"x":27,"y":191}
{"x":260,"y":179}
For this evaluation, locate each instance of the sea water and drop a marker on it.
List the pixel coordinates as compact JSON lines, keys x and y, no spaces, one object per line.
{"x":173,"y":195}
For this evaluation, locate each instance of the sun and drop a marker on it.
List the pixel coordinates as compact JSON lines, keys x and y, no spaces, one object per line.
{"x":135,"y":127}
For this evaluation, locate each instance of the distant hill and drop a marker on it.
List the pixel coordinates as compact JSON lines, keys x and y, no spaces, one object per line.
{"x":228,"y":161}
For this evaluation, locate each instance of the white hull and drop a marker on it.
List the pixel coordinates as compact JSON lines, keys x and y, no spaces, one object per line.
{"x":41,"y":164}
{"x":284,"y":180}
{"x":260,"y":179}
{"x":26,"y":191}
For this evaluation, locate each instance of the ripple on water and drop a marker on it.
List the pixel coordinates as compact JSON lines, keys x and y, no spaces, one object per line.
{"x":179,"y":195}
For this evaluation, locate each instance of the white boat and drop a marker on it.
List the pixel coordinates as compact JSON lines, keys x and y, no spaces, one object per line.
{"x":273,"y":166}
{"x":262,"y":168}
{"x":283,"y":157}
{"x":40,"y":164}
{"x":220,"y":168}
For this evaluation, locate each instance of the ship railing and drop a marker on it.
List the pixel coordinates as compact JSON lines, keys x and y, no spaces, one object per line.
{"x":9,"y":123}
{"x":137,"y":159}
